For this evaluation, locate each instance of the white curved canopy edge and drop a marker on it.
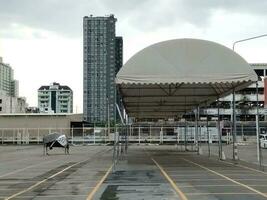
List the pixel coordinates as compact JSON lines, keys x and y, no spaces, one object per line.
{"x":173,"y":77}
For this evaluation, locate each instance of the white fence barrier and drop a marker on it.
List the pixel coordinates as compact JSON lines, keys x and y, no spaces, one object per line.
{"x":103,"y":135}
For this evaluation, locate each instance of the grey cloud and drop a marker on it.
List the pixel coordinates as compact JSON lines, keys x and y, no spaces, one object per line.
{"x":151,"y":14}
{"x":65,"y":16}
{"x":256,"y":7}
{"x":199,"y":12}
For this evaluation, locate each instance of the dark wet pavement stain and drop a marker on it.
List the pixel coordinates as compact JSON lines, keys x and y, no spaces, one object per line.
{"x":110,"y":193}
{"x":136,"y":184}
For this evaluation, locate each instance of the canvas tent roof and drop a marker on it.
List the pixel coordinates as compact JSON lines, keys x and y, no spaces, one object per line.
{"x":173,"y":77}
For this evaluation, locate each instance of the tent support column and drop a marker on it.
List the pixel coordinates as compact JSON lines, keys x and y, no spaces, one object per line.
{"x":139,"y":134}
{"x":235,"y":155}
{"x":196,"y":130}
{"x":126,"y":137}
{"x":219,"y":130}
{"x":150,"y":135}
{"x":208,"y":133}
{"x":185,"y":135}
{"x":199,"y":131}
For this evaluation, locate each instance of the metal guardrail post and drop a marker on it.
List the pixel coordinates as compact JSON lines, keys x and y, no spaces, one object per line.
{"x":94,"y":135}
{"x":199,"y":132}
{"x":114,"y":153}
{"x":196,"y":130}
{"x":219,"y":131}
{"x":161,"y":135}
{"x":126,"y":138}
{"x":242,"y":132}
{"x":72,"y":135}
{"x":13,"y":138}
{"x":185,"y":136}
{"x":83,"y":134}
{"x":118,"y":145}
{"x":259,"y":152}
{"x":38,"y":135}
{"x":2,"y":136}
{"x":193,"y":143}
{"x":139,"y":134}
{"x":150,"y":135}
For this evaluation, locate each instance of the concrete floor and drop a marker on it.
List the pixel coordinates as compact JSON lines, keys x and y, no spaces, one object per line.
{"x":24,"y":166}
{"x":147,"y":172}
{"x":246,"y":152}
{"x":195,"y":177}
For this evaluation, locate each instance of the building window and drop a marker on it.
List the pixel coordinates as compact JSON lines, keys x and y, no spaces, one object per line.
{"x":259,"y":72}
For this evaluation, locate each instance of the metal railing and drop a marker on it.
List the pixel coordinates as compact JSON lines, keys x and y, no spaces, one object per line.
{"x":133,"y":134}
{"x":183,"y":135}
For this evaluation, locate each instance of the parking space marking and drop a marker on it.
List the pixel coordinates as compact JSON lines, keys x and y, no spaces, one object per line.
{"x":31,"y":166}
{"x":214,"y":185}
{"x":194,"y":186}
{"x":44,"y":180}
{"x":92,"y":193}
{"x":219,"y":193}
{"x":245,"y":167}
{"x":219,"y":179}
{"x":201,"y":179}
{"x":50,"y":196}
{"x":175,"y":187}
{"x":226,"y":177}
{"x":19,"y":192}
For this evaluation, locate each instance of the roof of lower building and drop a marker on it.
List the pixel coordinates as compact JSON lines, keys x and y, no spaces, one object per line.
{"x":58,"y":87}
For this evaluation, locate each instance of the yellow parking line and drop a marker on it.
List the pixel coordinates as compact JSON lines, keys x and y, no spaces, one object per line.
{"x":46,"y":179}
{"x":175,"y":187}
{"x":245,"y":167}
{"x":193,"y":186}
{"x":219,"y":193}
{"x":226,"y":177}
{"x":40,"y":182}
{"x":92,"y":193}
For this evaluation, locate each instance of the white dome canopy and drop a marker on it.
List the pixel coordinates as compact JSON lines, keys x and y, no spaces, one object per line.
{"x":186,"y":60}
{"x":173,"y":70}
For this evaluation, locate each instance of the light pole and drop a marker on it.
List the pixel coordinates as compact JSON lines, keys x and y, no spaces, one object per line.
{"x":246,"y":39}
{"x":257,"y":114}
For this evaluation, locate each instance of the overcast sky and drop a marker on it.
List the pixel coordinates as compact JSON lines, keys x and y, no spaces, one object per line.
{"x":42,"y":39}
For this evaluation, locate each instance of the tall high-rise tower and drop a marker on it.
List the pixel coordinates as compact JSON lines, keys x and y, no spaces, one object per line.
{"x":99,"y":68}
{"x":7,"y":82}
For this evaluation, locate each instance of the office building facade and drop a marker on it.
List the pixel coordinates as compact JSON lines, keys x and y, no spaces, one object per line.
{"x":10,"y":102}
{"x":102,"y":53}
{"x":7,"y":82}
{"x":245,"y":101}
{"x":55,"y":98}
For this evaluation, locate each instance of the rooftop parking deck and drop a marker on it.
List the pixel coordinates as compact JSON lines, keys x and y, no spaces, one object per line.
{"x":145,"y":172}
